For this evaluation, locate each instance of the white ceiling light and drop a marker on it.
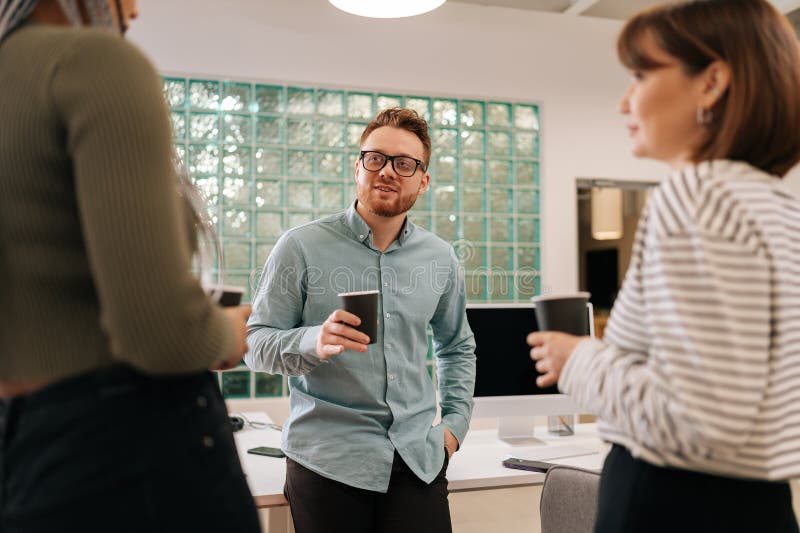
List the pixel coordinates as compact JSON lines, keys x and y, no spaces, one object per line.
{"x":385,"y":9}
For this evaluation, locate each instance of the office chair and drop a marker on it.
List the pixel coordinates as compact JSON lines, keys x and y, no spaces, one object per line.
{"x":569,"y":500}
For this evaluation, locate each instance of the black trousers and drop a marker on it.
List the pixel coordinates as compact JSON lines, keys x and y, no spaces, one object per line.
{"x":636,"y":496}
{"x":114,"y":450}
{"x":322,"y":505}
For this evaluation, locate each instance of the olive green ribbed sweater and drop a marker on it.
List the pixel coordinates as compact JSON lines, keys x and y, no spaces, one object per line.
{"x":94,"y":243}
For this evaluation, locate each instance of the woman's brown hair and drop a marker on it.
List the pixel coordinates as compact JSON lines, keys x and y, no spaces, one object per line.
{"x":757,"y":119}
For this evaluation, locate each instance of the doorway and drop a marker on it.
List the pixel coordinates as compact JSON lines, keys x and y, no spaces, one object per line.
{"x":608,"y":215}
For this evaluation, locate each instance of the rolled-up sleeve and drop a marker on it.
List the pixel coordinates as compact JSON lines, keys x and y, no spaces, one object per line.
{"x":278,"y":345}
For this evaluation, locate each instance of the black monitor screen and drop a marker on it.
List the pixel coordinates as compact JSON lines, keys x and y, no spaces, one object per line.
{"x":504,"y":366}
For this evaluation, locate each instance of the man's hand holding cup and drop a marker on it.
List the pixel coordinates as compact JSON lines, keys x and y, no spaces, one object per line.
{"x":339,"y":334}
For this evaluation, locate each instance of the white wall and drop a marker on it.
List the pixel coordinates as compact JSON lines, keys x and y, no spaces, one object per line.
{"x":567,"y":64}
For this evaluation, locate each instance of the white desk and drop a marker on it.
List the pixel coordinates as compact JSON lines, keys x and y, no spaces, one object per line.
{"x":265,"y":475}
{"x":476,"y":466}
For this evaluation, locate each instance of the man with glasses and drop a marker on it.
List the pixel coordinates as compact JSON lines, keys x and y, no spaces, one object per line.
{"x":362,"y":451}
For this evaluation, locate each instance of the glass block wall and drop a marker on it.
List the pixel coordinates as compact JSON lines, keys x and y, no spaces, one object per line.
{"x":269,"y":157}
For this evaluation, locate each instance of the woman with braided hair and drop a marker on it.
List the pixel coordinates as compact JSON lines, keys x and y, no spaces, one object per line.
{"x":109,"y":417}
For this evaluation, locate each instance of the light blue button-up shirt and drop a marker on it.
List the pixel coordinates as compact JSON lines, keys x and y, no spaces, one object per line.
{"x":349,"y":414}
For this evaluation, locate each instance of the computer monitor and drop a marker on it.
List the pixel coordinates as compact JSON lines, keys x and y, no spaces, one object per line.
{"x":505,"y":382}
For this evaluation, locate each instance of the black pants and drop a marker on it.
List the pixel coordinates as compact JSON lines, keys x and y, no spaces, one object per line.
{"x":636,"y":496}
{"x":321,"y":505}
{"x":114,"y":450}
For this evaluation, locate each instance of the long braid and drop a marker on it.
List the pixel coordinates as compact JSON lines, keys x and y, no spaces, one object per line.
{"x":99,"y":13}
{"x":72,"y":11}
{"x":208,"y":246}
{"x":13,"y":13}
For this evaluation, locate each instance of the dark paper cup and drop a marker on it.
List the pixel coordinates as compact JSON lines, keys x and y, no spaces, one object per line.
{"x":364,"y":305}
{"x":226,"y":295}
{"x":563,"y":312}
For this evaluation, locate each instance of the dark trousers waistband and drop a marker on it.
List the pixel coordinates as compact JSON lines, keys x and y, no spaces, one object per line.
{"x":636,"y":496}
{"x":107,"y":381}
{"x":116,"y":446}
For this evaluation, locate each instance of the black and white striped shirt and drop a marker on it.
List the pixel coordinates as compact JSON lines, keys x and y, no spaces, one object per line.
{"x":700,"y":365}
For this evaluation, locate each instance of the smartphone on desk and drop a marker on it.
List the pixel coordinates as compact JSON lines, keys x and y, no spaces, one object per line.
{"x":526,"y":464}
{"x":267,"y":451}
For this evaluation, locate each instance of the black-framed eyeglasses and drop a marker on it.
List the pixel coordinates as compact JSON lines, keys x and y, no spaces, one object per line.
{"x":403,"y":165}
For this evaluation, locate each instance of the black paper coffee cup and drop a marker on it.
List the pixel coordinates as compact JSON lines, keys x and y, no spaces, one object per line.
{"x":364,"y":305}
{"x":563,"y":312}
{"x":226,"y":295}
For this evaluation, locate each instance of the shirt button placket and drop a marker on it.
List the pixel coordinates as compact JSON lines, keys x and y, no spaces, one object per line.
{"x":390,"y":375}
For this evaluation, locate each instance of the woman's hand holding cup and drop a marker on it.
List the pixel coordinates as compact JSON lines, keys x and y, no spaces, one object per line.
{"x":237,"y":320}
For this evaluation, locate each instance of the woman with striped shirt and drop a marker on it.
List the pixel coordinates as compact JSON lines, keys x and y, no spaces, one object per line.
{"x":697,"y":381}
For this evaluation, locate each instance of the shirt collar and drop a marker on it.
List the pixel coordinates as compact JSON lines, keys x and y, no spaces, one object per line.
{"x":357,"y":224}
{"x":362,"y":231}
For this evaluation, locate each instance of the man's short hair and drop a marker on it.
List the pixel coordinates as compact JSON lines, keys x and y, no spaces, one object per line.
{"x":404,"y":119}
